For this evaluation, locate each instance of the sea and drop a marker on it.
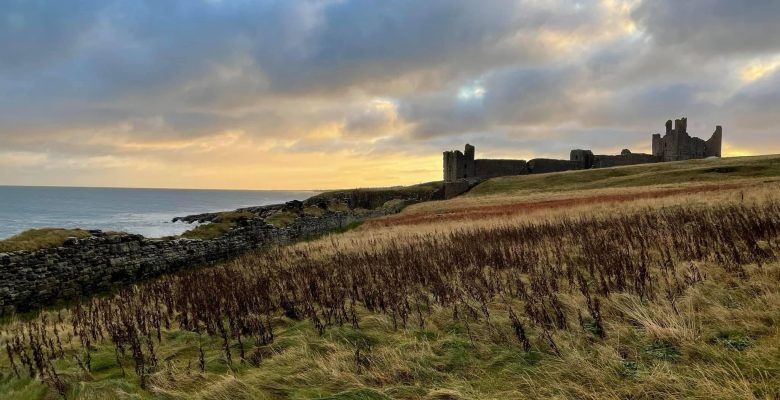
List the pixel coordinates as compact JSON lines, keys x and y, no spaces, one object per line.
{"x":143,"y":211}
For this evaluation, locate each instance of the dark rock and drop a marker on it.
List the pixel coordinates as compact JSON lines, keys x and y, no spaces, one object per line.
{"x":294,"y":205}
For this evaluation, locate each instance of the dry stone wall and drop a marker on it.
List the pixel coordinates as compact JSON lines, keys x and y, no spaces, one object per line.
{"x":81,"y":267}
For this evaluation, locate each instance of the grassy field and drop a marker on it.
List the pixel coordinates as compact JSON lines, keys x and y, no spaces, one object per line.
{"x":549,"y":286}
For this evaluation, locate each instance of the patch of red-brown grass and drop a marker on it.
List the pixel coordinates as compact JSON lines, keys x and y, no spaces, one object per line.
{"x":510,"y":209}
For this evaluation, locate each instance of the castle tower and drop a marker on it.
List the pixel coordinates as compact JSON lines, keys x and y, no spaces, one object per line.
{"x":712,"y":146}
{"x":658,"y":143}
{"x":457,"y":165}
{"x":469,"y":166}
{"x":447,"y":158}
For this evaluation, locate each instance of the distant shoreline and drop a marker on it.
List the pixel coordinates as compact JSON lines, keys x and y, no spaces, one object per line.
{"x":140,"y":211}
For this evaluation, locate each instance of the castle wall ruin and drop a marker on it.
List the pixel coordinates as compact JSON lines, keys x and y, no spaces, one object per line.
{"x":675,"y":145}
{"x":494,"y":168}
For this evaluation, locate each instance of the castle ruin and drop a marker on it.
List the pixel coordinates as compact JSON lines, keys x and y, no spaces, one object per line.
{"x":675,"y":145}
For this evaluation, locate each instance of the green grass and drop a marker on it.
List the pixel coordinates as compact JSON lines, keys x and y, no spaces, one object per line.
{"x":223,"y":223}
{"x":21,"y":389}
{"x":712,"y":170}
{"x":313,"y":211}
{"x":36,"y":239}
{"x":733,"y":339}
{"x":349,"y":227}
{"x":208,"y":231}
{"x":281,"y":219}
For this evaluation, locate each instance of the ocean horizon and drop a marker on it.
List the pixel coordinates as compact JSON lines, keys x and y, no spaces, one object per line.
{"x":145,"y":211}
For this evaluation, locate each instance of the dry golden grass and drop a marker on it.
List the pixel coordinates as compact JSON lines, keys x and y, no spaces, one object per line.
{"x":465,"y":213}
{"x":36,"y":239}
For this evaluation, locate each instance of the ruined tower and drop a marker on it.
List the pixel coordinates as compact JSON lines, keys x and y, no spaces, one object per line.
{"x":676,"y":144}
{"x":459,"y":165}
{"x":713,"y":144}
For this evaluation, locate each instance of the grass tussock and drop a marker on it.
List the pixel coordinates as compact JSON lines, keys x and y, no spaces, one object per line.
{"x":36,"y":239}
{"x":281,"y":219}
{"x":313,"y":211}
{"x":208,"y":231}
{"x":222,"y":224}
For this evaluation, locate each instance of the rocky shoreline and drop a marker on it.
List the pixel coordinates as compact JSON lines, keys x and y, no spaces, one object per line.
{"x":105,"y":261}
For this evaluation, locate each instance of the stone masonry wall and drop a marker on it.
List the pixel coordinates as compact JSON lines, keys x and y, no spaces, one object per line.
{"x":81,"y":267}
{"x":545,"y":165}
{"x":492,"y":168}
{"x":604,"y":161}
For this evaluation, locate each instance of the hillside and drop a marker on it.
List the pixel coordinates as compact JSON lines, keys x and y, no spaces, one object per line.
{"x":643,"y":282}
{"x":680,"y":172}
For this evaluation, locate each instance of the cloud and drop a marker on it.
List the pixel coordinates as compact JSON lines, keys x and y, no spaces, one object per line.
{"x":254,"y":87}
{"x":712,"y":27}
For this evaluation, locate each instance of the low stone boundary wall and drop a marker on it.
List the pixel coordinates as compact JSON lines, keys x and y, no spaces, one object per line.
{"x":30,"y":280}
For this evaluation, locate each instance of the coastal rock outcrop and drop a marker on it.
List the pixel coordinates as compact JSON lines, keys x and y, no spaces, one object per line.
{"x":104,"y":261}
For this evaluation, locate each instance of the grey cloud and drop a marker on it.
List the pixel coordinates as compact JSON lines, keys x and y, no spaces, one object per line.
{"x":755,"y":106}
{"x":712,"y":27}
{"x":532,"y":96}
{"x":442,"y":114}
{"x":36,"y":33}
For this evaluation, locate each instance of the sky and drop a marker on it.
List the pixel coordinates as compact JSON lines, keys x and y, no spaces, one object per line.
{"x":292,"y":94}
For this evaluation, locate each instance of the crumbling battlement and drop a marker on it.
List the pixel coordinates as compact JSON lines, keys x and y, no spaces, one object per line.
{"x":675,"y":145}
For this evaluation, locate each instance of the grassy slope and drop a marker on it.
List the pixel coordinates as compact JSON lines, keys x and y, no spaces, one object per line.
{"x":722,"y":342}
{"x":693,"y":171}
